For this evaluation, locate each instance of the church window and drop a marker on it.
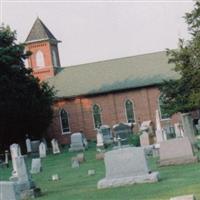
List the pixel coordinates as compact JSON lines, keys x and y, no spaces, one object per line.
{"x":129,"y":111}
{"x":55,"y":62}
{"x":97,"y":116}
{"x":64,"y":121}
{"x":39,"y":59}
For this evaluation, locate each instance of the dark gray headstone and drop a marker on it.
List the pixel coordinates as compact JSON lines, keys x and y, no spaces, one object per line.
{"x":122,"y":131}
{"x":77,"y":142}
{"x":35,"y":148}
{"x":107,"y":134}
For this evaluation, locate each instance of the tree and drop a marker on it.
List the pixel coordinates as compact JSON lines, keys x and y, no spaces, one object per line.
{"x":183,"y":94}
{"x":25,"y":102}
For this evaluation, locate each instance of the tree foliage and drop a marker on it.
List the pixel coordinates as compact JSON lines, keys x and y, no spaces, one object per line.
{"x":183,"y":94}
{"x":25,"y":103}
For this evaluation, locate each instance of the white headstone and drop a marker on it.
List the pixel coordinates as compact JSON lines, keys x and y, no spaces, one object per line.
{"x":42,"y":150}
{"x":55,"y":146}
{"x":75,"y":162}
{"x":77,"y":143}
{"x":23,"y":176}
{"x":159,"y":133}
{"x":28,"y":145}
{"x":99,"y":139}
{"x":9,"y":191}
{"x":36,"y":166}
{"x":126,"y":166}
{"x":15,"y":152}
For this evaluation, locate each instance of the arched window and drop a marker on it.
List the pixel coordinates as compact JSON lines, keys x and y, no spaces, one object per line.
{"x":55,"y":63}
{"x":129,"y":111}
{"x":97,"y":116}
{"x":162,"y":111}
{"x":64,"y":121}
{"x":39,"y":59}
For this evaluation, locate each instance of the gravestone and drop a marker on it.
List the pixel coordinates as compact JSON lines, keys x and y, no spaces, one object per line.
{"x":55,"y":146}
{"x":77,"y":142}
{"x":185,"y":197}
{"x":91,"y":172}
{"x":178,"y":130}
{"x":36,"y":166}
{"x":188,"y":127}
{"x":42,"y":150}
{"x":6,"y":158}
{"x":156,"y":150}
{"x":74,"y":162}
{"x":176,"y":151}
{"x":35,"y":148}
{"x":21,"y":176}
{"x":146,"y":138}
{"x":159,"y":132}
{"x":28,"y":145}
{"x":100,"y":156}
{"x":55,"y":177}
{"x":126,"y":166}
{"x":80,"y":157}
{"x":15,"y":152}
{"x":100,"y":142}
{"x":122,"y":131}
{"x":106,"y":133}
{"x":169,"y":131}
{"x":9,"y":191}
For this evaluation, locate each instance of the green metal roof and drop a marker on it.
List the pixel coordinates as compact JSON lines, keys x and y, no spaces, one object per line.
{"x":113,"y":75}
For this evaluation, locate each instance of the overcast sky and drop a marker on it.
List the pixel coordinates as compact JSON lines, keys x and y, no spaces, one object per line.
{"x":92,"y":31}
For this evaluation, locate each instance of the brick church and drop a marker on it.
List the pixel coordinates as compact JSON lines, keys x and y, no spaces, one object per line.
{"x":105,"y":92}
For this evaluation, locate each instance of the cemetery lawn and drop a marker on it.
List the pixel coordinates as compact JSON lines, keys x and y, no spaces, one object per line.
{"x":75,"y":184}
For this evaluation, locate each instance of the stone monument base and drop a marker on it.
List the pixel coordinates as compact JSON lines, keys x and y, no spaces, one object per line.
{"x":116,"y":182}
{"x":73,"y":149}
{"x":31,"y":193}
{"x":185,"y":197}
{"x":178,"y":161}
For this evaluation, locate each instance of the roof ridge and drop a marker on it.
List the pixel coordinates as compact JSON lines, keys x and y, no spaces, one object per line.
{"x":112,"y":59}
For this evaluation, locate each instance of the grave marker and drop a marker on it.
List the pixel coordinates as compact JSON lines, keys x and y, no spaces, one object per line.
{"x":126,"y":166}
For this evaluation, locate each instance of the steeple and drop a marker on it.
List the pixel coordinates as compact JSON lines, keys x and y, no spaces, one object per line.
{"x":44,"y":47}
{"x":39,"y":32}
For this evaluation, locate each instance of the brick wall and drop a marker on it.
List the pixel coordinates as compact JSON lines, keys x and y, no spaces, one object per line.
{"x":41,"y":72}
{"x":113,"y":111}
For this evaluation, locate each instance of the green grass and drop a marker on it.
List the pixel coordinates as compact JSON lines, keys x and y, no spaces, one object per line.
{"x":75,"y":184}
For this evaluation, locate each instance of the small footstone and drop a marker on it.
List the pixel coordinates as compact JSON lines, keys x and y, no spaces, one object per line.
{"x":74,"y":162}
{"x":91,"y":172}
{"x":99,"y":156}
{"x":80,"y":157}
{"x":55,"y":177}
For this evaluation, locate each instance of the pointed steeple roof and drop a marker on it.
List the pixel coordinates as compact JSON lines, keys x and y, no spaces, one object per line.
{"x":40,"y":32}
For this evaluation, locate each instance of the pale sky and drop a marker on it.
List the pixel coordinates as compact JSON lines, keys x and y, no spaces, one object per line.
{"x":100,"y":30}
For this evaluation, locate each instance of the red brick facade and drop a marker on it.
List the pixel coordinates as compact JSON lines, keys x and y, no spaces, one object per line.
{"x":45,"y":47}
{"x":80,"y":113}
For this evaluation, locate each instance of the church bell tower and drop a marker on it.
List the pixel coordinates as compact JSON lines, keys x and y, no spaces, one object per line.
{"x":44,"y":47}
